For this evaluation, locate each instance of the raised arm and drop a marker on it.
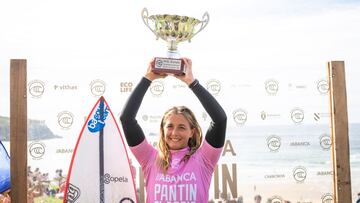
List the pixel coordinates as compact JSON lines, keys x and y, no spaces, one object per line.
{"x":215,"y":134}
{"x":133,"y":133}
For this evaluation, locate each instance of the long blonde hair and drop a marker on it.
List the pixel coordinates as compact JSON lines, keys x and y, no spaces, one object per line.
{"x":164,"y":159}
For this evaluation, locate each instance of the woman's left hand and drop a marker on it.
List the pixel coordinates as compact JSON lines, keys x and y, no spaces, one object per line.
{"x":188,"y":78}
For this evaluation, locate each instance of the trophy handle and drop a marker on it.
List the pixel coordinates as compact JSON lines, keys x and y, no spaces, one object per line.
{"x":204,"y":23}
{"x":145,"y":18}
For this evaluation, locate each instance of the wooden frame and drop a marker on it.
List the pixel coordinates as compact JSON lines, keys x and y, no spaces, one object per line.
{"x":339,"y":132}
{"x":18,"y":131}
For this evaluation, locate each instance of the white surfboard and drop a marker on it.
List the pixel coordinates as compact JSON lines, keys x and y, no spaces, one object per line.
{"x":99,"y":170}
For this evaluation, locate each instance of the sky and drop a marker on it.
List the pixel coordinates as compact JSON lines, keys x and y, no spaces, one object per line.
{"x":85,"y":36}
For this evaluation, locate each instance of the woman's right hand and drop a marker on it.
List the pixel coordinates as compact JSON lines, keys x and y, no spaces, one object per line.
{"x":151,"y":75}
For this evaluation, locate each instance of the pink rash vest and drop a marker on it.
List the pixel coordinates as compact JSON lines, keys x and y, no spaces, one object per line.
{"x":184,"y":182}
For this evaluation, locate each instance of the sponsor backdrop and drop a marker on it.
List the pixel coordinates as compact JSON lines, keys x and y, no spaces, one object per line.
{"x":278,"y":136}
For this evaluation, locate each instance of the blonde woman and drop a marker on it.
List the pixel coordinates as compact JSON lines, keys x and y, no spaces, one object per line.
{"x":180,"y":170}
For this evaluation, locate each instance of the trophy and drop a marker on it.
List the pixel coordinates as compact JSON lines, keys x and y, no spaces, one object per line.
{"x":173,"y":29}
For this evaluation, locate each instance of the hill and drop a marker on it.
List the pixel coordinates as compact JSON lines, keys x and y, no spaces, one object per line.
{"x":37,"y":130}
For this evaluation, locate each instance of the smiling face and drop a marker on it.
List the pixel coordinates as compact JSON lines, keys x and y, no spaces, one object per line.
{"x":177,"y":131}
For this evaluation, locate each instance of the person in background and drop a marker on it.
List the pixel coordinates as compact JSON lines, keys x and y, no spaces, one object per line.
{"x":5,"y":197}
{"x":257,"y":199}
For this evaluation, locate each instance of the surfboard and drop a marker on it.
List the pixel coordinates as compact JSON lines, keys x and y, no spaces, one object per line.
{"x":100,"y":170}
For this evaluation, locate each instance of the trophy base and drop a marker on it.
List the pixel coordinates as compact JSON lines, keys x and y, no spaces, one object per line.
{"x":168,"y":66}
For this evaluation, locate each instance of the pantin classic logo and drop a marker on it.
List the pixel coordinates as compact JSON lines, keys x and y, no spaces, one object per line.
{"x":36,"y":88}
{"x":263,"y":115}
{"x":276,"y":199}
{"x":297,"y":115}
{"x":213,"y":86}
{"x":65,"y":119}
{"x":325,"y":142}
{"x":97,"y":87}
{"x":327,"y":198}
{"x":299,"y":174}
{"x":273,"y":143}
{"x":36,"y":150}
{"x":323,"y":86}
{"x":157,"y":87}
{"x":271,"y":86}
{"x":240,"y":116}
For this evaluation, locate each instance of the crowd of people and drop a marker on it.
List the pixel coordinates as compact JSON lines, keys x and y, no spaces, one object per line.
{"x":5,"y":197}
{"x":39,"y":184}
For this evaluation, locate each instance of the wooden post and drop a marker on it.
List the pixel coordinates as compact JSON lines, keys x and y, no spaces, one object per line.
{"x":339,"y":132}
{"x":18,"y":131}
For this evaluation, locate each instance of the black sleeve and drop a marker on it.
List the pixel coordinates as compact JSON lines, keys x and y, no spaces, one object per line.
{"x":133,"y":133}
{"x":215,"y":135}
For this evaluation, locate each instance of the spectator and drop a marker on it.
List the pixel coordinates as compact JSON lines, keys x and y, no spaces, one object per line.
{"x":257,"y":199}
{"x":5,"y":197}
{"x":358,"y":200}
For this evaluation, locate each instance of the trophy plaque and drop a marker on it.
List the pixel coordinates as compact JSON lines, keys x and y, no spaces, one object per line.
{"x":173,"y":29}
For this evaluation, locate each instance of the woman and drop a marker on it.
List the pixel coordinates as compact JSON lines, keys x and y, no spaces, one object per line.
{"x":182,"y":167}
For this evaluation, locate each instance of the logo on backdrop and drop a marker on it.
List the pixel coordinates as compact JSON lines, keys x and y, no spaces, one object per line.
{"x":295,"y":87}
{"x":271,"y":86}
{"x":73,"y":193}
{"x":299,"y":143}
{"x":97,"y":87}
{"x":65,"y":119}
{"x":299,"y":174}
{"x":276,"y":199}
{"x":36,"y":150}
{"x":323,"y":86}
{"x":152,"y":118}
{"x":318,"y":116}
{"x":126,"y":86}
{"x":64,"y":150}
{"x":65,"y":87}
{"x":325,"y":173}
{"x":97,"y":122}
{"x":327,"y":198}
{"x":274,"y":176}
{"x":157,"y":88}
{"x":297,"y":115}
{"x":213,"y":86}
{"x":36,"y":88}
{"x":273,"y":143}
{"x":325,"y":142}
{"x":240,"y":116}
{"x":264,"y":115}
